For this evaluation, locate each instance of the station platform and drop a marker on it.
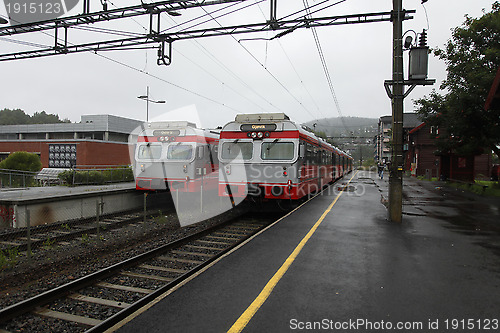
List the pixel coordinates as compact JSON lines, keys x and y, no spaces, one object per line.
{"x":51,"y":192}
{"x":336,"y":264}
{"x":54,"y":204}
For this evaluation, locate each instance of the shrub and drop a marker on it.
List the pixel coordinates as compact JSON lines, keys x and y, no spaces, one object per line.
{"x":97,"y":177}
{"x":21,"y":160}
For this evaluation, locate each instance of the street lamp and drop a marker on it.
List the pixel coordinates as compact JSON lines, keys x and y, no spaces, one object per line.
{"x":146,"y":98}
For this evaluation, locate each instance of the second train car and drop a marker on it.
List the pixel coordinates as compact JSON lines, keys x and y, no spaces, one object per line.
{"x":176,"y":155}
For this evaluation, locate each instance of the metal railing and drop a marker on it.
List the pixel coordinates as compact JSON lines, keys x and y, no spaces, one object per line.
{"x":78,"y":175}
{"x":17,"y":178}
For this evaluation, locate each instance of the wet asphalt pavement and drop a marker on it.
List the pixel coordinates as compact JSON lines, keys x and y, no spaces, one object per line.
{"x":439,"y":271}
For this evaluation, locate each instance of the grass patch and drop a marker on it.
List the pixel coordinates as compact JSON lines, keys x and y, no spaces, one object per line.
{"x":8,"y":258}
{"x":481,"y":187}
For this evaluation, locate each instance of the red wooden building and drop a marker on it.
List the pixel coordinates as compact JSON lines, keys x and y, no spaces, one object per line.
{"x":423,"y":158}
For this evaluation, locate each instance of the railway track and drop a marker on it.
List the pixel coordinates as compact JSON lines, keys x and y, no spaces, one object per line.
{"x":61,"y":232}
{"x":96,"y":302}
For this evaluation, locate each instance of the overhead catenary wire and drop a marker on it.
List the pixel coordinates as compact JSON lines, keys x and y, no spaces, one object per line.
{"x":215,"y":59}
{"x":212,"y":18}
{"x":224,"y":66}
{"x":325,"y":68}
{"x":125,"y":65}
{"x":210,"y":14}
{"x":308,"y":8}
{"x":293,"y":67}
{"x":168,"y":82}
{"x":264,"y":67}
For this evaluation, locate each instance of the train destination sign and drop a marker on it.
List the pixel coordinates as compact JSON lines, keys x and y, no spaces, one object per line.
{"x":258,"y":127}
{"x":166,"y":133}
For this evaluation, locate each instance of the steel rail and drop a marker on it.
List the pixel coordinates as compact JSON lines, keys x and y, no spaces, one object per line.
{"x":30,"y":304}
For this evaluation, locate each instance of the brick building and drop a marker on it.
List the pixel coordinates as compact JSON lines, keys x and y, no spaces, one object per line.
{"x":95,"y":140}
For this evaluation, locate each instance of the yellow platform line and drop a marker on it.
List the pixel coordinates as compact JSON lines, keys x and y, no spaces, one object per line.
{"x":245,"y":318}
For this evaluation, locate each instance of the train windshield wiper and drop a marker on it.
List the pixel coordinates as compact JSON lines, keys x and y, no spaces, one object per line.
{"x":272,"y":144}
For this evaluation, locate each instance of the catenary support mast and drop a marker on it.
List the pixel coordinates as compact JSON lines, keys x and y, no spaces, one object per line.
{"x":396,"y":167}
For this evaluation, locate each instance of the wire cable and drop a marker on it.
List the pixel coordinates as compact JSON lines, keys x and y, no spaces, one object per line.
{"x":292,"y":65}
{"x":325,"y":69}
{"x":125,"y":65}
{"x":223,"y":66}
{"x":264,"y":67}
{"x":426,"y":16}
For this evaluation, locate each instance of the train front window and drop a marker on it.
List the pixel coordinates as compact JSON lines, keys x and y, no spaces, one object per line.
{"x":237,"y":150}
{"x":179,"y":152}
{"x":277,"y":151}
{"x":149,"y":152}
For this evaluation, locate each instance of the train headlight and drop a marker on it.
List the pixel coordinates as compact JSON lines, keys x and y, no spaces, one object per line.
{"x":267,"y":134}
{"x":143,"y":168}
{"x":184,"y":168}
{"x":254,"y":135}
{"x":227,"y":169}
{"x":260,"y":135}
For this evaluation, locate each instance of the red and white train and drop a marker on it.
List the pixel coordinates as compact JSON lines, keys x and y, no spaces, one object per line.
{"x":176,"y":155}
{"x":268,"y":156}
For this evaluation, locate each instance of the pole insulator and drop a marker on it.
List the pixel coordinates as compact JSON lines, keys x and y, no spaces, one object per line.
{"x":423,"y":38}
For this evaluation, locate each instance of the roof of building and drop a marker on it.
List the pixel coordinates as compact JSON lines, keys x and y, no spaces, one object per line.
{"x":493,"y":99}
{"x":88,"y":123}
{"x":410,"y":119}
{"x":416,"y":129}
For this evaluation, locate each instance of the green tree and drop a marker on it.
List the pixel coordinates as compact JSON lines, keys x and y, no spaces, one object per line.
{"x":13,"y":117}
{"x":472,"y":58}
{"x":44,"y":118}
{"x":19,"y":117}
{"x":21,"y":160}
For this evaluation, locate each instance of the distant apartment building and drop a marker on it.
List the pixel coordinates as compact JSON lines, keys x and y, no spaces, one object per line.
{"x":384,"y":135}
{"x":96,"y":140}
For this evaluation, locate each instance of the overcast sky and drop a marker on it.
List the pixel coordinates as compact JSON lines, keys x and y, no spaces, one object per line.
{"x":218,"y":77}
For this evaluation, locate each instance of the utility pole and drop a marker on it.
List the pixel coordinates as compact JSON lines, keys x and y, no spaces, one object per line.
{"x":396,"y":166}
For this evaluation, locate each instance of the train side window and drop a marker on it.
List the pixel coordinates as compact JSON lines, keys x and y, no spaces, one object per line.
{"x":199,"y":152}
{"x":302,"y":150}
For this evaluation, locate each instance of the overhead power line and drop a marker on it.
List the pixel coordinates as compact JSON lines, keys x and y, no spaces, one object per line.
{"x":325,"y":68}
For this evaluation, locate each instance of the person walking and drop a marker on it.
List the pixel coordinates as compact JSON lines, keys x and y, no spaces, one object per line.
{"x":381,"y":170}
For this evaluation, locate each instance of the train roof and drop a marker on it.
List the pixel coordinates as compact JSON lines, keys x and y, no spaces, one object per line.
{"x":256,"y":117}
{"x":170,"y":124}
{"x":178,"y":128}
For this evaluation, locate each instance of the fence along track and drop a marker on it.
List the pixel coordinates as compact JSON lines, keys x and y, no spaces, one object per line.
{"x":161,"y":268}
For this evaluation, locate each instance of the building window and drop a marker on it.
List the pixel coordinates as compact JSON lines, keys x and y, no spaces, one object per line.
{"x":62,"y":155}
